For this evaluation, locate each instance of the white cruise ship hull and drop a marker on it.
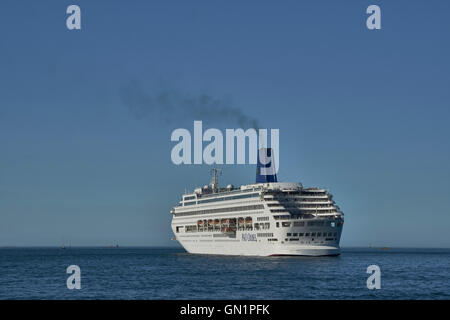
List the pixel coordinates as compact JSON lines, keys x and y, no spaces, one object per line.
{"x":313,"y":241}
{"x":257,"y":249}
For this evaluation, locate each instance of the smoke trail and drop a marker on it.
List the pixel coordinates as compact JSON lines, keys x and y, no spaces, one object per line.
{"x":170,"y":105}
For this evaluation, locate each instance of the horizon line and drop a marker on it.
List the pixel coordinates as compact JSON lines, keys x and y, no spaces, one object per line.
{"x":179,"y":247}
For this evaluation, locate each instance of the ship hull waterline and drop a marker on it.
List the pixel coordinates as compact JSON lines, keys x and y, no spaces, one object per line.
{"x":239,"y":248}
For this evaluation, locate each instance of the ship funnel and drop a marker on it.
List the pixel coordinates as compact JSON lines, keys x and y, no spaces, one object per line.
{"x":265,"y":167}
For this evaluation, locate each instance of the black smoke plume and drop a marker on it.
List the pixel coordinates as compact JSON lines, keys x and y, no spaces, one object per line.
{"x":170,"y":106}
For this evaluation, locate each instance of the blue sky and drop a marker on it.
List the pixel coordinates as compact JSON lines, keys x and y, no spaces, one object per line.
{"x":364,"y":113}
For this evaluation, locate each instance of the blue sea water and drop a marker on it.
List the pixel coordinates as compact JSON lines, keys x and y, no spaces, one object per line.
{"x":168,"y":273}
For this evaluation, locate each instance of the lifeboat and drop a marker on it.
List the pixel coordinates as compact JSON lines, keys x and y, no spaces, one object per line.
{"x":200,"y":222}
{"x":248,"y":220}
{"x":241,"y":220}
{"x":210,"y":222}
{"x":216,"y":222}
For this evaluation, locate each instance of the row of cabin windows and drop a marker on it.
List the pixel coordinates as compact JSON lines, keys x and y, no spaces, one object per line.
{"x":294,"y":216}
{"x":290,"y":206}
{"x":306,"y":206}
{"x":267,"y":234}
{"x":309,"y":224}
{"x":221,"y":210}
{"x":274,"y":204}
{"x":194,"y":228}
{"x":240,"y":196}
{"x":304,"y":194}
{"x":306,"y":200}
{"x":297,"y":239}
{"x":313,"y":234}
{"x":295,"y":211}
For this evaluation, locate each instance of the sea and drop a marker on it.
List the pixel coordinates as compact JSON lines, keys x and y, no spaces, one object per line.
{"x":171,"y":273}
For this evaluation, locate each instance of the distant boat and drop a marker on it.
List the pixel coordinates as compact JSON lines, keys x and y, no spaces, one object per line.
{"x":385,"y":248}
{"x":63,"y":246}
{"x":66,"y":247}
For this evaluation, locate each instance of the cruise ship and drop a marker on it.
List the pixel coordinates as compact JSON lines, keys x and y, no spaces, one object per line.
{"x":268,"y":218}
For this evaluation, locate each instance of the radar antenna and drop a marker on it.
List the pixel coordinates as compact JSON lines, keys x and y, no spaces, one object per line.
{"x":215,"y":181}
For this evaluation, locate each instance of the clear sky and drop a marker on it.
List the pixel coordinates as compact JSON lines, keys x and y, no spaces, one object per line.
{"x":85,"y":160}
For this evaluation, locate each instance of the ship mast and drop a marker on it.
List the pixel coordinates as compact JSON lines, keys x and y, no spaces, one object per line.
{"x":215,"y":179}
